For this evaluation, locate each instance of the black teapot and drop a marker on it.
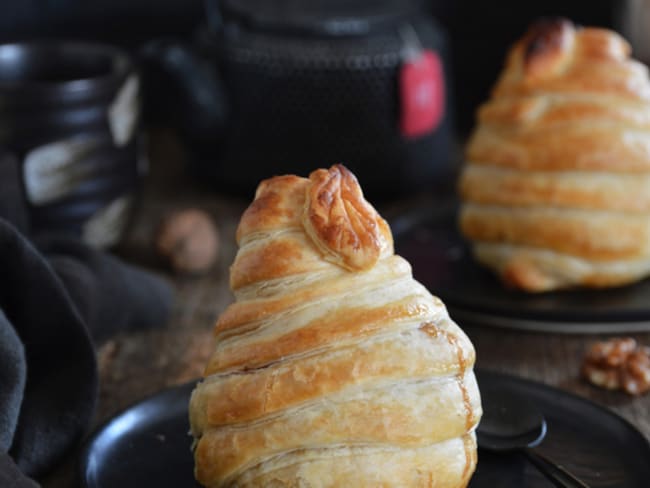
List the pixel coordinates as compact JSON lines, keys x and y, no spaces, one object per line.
{"x":276,"y":87}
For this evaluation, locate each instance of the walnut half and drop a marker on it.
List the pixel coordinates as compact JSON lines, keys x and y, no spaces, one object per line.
{"x":189,"y":240}
{"x":618,"y":363}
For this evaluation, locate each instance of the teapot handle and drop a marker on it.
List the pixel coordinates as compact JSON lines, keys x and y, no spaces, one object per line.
{"x":183,"y":89}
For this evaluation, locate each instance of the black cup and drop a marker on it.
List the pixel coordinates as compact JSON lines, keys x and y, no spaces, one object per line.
{"x":69,"y":113}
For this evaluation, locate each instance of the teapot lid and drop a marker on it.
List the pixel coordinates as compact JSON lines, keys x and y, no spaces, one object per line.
{"x":328,"y":18}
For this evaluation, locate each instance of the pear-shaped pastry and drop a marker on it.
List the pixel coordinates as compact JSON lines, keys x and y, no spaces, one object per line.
{"x":556,"y":189}
{"x":334,"y":367}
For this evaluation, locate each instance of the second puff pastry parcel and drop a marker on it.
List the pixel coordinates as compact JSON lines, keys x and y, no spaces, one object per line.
{"x":333,"y":367}
{"x":556,"y":189}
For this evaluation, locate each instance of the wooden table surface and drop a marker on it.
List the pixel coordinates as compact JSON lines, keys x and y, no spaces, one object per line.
{"x":134,"y":365}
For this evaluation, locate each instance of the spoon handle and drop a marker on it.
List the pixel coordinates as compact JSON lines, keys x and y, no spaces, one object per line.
{"x":554,"y":472}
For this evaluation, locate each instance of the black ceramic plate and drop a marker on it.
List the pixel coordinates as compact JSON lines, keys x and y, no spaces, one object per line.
{"x":593,"y":443}
{"x":148,"y":444}
{"x":442,"y":261}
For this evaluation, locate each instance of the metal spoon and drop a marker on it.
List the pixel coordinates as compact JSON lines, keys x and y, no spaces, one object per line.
{"x":511,"y":422}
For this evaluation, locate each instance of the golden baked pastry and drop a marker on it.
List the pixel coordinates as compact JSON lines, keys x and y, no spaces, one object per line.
{"x":333,"y":367}
{"x":556,"y":188}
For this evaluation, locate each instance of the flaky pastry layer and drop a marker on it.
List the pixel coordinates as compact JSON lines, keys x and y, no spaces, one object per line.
{"x":332,"y":356}
{"x":559,"y":163}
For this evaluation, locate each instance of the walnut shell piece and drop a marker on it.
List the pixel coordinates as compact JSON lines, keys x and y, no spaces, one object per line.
{"x":189,"y":241}
{"x":635,"y":374}
{"x":618,"y":364}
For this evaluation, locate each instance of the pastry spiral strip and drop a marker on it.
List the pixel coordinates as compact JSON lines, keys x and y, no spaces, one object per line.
{"x":333,"y":367}
{"x":557,"y":183}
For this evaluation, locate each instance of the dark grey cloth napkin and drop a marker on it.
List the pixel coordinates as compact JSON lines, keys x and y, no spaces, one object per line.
{"x":46,"y":359}
{"x":57,"y":298}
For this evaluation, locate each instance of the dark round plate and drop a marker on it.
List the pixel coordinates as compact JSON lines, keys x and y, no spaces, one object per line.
{"x":148,"y":444}
{"x":593,"y":443}
{"x":442,"y":261}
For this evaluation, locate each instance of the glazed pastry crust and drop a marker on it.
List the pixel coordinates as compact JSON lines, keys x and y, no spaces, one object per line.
{"x":558,"y":167}
{"x":540,"y":269}
{"x":445,"y":464}
{"x":333,"y":367}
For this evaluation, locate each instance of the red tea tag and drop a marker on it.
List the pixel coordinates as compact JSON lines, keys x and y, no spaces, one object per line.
{"x":422,"y":94}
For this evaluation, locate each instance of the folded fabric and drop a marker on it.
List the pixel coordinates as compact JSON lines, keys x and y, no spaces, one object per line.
{"x":110,"y":295}
{"x":10,"y":475}
{"x":56,"y":298}
{"x":58,"y":363}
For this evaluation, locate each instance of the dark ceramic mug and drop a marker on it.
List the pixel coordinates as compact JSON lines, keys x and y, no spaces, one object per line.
{"x":69,"y":113}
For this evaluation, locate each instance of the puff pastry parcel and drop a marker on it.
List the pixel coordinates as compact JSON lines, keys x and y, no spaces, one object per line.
{"x":333,"y":367}
{"x":556,"y":188}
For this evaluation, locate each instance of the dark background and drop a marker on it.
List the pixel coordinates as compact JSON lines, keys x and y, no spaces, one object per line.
{"x":480,"y":32}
